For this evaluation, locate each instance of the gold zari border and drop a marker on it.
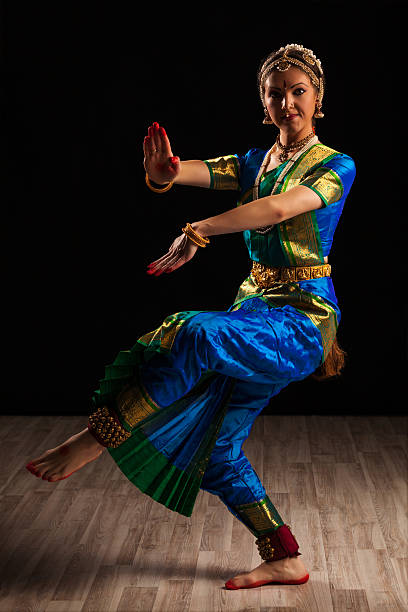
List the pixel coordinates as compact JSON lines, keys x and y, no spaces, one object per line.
{"x":134,"y":403}
{"x":165,"y":334}
{"x":299,"y":235}
{"x":260,"y":516}
{"x":327,"y":183}
{"x":225,"y":172}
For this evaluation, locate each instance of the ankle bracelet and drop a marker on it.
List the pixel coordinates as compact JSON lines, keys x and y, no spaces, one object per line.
{"x":278,"y":544}
{"x":106,"y":428}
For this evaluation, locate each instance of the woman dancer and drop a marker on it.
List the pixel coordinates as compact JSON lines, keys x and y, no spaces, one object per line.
{"x":175,"y":409}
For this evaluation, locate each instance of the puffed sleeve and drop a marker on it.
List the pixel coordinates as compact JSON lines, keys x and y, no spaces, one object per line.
{"x":332,"y":181}
{"x":224,"y":172}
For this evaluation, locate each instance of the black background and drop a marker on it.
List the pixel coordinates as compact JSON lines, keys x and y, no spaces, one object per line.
{"x":79,"y":226}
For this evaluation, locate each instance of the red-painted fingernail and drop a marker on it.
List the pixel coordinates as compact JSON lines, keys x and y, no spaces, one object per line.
{"x":156,"y":125}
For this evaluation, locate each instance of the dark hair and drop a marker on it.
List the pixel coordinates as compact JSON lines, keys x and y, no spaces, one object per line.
{"x":332,"y":365}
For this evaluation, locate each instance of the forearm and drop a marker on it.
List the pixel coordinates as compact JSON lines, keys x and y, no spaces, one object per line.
{"x":258,"y":213}
{"x":194,"y":172}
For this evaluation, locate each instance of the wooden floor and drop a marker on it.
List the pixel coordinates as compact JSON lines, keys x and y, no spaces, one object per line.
{"x":94,"y":542}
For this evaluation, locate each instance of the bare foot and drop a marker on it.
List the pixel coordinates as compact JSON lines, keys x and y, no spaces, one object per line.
{"x":61,"y":461}
{"x":290,"y":568}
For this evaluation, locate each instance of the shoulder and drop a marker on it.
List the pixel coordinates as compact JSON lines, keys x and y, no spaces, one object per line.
{"x":337,"y":159}
{"x":253,"y":155}
{"x":253,"y":158}
{"x":338,"y":164}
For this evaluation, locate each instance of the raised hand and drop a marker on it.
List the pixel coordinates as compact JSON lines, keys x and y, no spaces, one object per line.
{"x":159,"y":162}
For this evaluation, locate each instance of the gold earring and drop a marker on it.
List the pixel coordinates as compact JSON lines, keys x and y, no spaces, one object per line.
{"x":267,"y":120}
{"x":318,"y":114}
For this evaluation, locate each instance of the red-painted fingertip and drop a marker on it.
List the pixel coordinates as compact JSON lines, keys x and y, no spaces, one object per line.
{"x":174,"y":160}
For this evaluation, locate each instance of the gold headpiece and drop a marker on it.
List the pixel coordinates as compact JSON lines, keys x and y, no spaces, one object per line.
{"x":284,"y":62}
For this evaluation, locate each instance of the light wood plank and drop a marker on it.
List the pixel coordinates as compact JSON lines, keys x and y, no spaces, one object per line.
{"x":95,"y":542}
{"x":352,"y":600}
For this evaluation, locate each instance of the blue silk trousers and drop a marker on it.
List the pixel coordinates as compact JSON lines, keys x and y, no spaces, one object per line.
{"x":262,"y":349}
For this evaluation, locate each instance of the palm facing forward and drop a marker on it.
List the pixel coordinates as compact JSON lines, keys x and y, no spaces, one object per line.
{"x":159,"y":162}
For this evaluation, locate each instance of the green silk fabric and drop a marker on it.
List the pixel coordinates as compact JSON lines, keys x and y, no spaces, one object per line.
{"x":266,"y":247}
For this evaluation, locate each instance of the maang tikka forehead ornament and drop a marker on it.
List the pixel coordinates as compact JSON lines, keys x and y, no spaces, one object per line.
{"x":284,"y":62}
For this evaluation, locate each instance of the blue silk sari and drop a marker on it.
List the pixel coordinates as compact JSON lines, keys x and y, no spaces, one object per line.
{"x":189,"y":390}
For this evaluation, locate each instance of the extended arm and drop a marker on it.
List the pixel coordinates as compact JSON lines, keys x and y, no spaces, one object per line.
{"x":260,"y":213}
{"x":193,"y":172}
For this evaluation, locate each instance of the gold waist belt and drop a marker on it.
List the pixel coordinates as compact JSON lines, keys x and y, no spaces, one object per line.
{"x":265,"y":275}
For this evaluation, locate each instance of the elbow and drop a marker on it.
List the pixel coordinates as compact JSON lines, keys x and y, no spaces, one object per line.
{"x":278,"y":213}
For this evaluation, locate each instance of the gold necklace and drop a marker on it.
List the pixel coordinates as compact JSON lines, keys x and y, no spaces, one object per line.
{"x":292,"y":147}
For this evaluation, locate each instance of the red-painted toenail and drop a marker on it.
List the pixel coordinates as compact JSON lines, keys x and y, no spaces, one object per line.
{"x":230,"y":585}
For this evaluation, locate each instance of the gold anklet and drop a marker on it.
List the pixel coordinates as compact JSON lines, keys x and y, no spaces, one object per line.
{"x":278,"y":544}
{"x":106,"y":428}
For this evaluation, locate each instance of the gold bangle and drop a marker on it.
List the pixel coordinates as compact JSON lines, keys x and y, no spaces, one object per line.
{"x":197,"y":243}
{"x":192,"y":232}
{"x":199,"y":240}
{"x":150,"y":186}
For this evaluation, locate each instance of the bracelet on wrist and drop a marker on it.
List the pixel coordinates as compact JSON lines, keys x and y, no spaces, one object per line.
{"x":194,"y":236}
{"x":158,"y":189}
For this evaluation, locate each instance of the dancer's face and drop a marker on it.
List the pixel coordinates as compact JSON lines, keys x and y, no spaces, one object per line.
{"x":290,"y":92}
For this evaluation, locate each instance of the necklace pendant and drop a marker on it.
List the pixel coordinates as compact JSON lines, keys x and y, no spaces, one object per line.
{"x":283,"y":156}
